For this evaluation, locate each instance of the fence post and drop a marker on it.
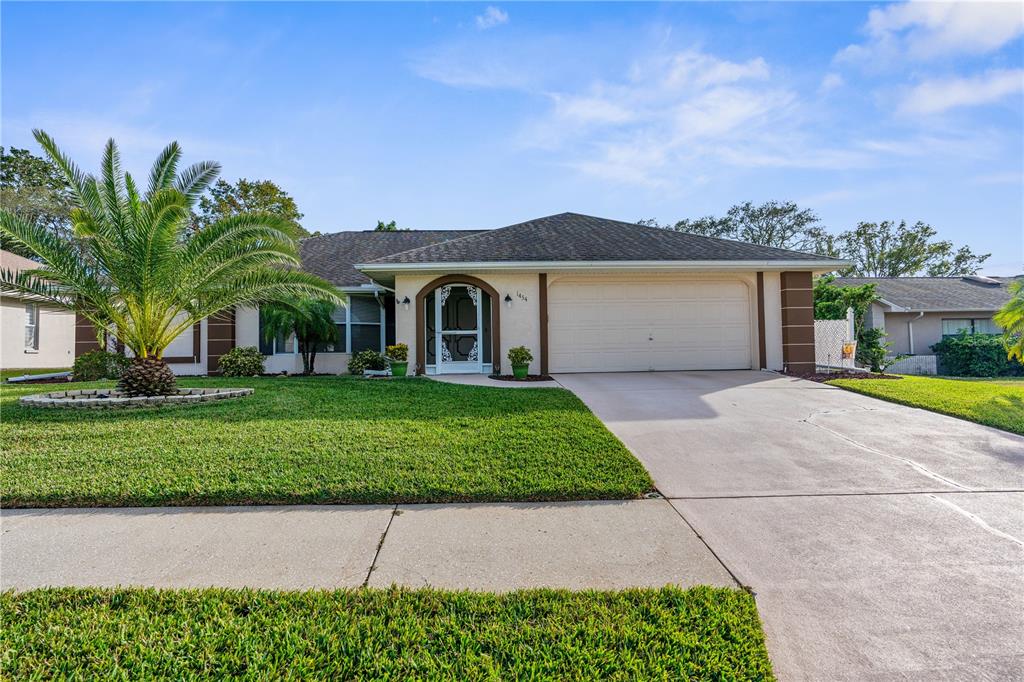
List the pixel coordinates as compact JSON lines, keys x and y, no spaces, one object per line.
{"x":851,"y":333}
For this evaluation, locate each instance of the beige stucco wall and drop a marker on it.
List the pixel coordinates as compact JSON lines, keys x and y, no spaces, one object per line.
{"x":56,"y":337}
{"x":927,"y":329}
{"x":520,"y":322}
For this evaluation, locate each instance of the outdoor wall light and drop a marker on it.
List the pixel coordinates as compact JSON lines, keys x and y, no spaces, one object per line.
{"x":405,"y":302}
{"x":508,"y":300}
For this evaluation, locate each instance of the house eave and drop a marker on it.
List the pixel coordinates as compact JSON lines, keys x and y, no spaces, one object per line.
{"x":814,"y":266}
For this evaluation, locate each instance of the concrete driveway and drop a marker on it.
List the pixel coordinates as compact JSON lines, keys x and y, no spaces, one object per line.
{"x":883,"y":542}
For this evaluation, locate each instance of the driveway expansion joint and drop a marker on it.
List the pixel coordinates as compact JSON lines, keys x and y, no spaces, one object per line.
{"x":700,"y":537}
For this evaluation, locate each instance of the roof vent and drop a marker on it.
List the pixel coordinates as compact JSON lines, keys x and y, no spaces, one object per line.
{"x":981,"y":279}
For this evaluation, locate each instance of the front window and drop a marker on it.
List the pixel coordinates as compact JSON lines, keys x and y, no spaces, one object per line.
{"x":360,"y":324}
{"x":979,"y":325}
{"x":31,"y":326}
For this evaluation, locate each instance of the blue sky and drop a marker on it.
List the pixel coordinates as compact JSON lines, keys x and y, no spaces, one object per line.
{"x":481,"y":115}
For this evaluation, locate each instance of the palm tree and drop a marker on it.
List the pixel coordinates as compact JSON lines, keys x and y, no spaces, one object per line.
{"x":139,"y":274}
{"x":1011,"y":319}
{"x":311,"y":322}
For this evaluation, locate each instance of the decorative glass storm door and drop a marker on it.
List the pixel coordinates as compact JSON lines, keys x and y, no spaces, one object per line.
{"x":459,"y":329}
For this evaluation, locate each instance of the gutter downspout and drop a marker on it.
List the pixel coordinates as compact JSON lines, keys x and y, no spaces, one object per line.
{"x":910,"y":330}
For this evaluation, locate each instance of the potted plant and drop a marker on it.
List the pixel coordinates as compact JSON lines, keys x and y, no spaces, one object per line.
{"x":520,"y":358}
{"x":398,"y":355}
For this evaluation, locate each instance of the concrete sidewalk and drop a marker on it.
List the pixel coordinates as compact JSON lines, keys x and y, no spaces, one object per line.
{"x":498,"y":547}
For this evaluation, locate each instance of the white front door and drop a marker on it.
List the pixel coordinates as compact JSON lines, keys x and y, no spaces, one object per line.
{"x":458,"y":329}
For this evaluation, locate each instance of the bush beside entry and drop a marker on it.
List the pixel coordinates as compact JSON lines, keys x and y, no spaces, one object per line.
{"x":243,"y":361}
{"x":398,"y":354}
{"x":367,"y":359}
{"x":520,"y":358}
{"x":99,"y":364}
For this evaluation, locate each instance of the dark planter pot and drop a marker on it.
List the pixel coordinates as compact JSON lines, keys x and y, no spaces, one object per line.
{"x":398,"y":369}
{"x":519,"y":371}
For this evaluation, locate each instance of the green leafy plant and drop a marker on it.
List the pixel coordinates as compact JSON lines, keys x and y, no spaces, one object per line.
{"x":873,"y":351}
{"x":367,"y":359}
{"x":519,"y":356}
{"x":141,"y":275}
{"x":1011,"y":319}
{"x":398,"y":352}
{"x":242,"y":361}
{"x":975,"y":355}
{"x":99,"y":364}
{"x":311,"y":322}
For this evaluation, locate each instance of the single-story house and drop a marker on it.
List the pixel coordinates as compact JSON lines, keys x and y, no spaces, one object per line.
{"x":584,"y":294}
{"x":33,"y":335}
{"x":917,"y":312}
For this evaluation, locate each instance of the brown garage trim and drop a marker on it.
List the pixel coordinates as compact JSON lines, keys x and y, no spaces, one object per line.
{"x":797,"y":322}
{"x":85,"y":336}
{"x":543,"y":283}
{"x":421,"y":331}
{"x":197,"y":349}
{"x":220,"y":338}
{"x":762,"y":352}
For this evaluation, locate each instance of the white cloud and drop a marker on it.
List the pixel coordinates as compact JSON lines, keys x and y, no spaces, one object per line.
{"x":928,"y":30}
{"x":939,"y":95}
{"x":830,"y":82}
{"x":491,"y":17}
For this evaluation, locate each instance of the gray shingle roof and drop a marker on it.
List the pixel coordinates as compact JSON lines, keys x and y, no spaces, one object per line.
{"x":936,"y":293}
{"x":332,"y":256}
{"x":576,"y":237}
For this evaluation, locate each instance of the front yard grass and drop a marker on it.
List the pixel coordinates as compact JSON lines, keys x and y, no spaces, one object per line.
{"x":995,"y":402}
{"x":315,"y":440}
{"x":668,"y":634}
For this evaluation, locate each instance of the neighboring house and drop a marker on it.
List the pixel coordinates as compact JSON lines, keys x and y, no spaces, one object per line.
{"x":33,"y":335}
{"x":916,"y":312}
{"x":584,"y":294}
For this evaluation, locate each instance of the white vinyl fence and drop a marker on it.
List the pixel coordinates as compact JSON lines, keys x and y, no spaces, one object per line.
{"x":835,"y":343}
{"x":915,"y":364}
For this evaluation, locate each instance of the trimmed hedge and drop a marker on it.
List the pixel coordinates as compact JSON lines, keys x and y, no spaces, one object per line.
{"x":975,"y":355}
{"x":242,"y":361}
{"x":99,"y":364}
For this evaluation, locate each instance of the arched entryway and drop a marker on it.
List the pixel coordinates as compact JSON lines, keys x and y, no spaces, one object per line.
{"x":457,"y":322}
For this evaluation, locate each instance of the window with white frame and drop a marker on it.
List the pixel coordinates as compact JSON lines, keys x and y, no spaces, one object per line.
{"x":978,"y":325}
{"x":31,"y":326}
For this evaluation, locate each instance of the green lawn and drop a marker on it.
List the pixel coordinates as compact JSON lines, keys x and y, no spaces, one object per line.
{"x":668,"y":634}
{"x":994,"y":402}
{"x":315,"y":440}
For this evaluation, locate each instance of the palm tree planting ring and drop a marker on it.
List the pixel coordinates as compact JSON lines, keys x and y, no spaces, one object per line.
{"x":110,"y":398}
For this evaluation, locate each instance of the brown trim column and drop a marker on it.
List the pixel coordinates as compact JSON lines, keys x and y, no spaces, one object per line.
{"x":220,"y":338}
{"x":543,"y":298}
{"x":85,"y":336}
{"x":797,"y":322}
{"x":762,"y":353}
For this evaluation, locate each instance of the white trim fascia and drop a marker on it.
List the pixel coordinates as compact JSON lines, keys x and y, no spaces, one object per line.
{"x":814,"y":265}
{"x":363,"y":289}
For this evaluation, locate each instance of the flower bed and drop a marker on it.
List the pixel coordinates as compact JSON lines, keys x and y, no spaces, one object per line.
{"x":107,"y":398}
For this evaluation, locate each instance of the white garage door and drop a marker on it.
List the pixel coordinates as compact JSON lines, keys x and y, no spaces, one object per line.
{"x":642,"y":326}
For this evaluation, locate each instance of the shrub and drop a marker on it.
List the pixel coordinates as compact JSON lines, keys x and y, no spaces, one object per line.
{"x":873,"y":351}
{"x":367,"y":359}
{"x":99,"y":364}
{"x":519,"y":355}
{"x":398,"y":352}
{"x":975,"y":355}
{"x":243,"y":361}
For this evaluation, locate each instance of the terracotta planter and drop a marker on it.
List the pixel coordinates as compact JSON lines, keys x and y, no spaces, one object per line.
{"x":519,"y":371}
{"x":398,"y":369}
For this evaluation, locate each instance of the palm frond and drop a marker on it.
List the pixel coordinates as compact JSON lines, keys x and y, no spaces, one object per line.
{"x":83,"y":189}
{"x":165,"y":169}
{"x":194,"y":180}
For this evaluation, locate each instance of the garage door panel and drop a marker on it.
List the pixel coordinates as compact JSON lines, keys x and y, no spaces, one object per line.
{"x":640,"y":326}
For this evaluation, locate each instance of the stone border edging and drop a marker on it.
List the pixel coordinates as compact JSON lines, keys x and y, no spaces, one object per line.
{"x":110,"y":398}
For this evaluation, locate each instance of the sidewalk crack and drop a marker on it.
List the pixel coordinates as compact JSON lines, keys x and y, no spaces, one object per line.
{"x":380,"y":545}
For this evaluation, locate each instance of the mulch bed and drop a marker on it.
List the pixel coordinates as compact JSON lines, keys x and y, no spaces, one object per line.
{"x":822,"y":377}
{"x":529,"y":377}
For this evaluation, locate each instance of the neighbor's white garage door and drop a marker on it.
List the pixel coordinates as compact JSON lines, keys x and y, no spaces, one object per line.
{"x":607,"y":326}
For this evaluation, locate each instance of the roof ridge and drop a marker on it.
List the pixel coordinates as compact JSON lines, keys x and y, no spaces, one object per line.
{"x":409,"y":231}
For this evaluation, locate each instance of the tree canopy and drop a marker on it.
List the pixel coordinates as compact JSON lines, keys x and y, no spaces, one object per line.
{"x":247,"y":196}
{"x":33,"y":188}
{"x":389,"y":227}
{"x":1011,"y":319}
{"x":885,"y":249}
